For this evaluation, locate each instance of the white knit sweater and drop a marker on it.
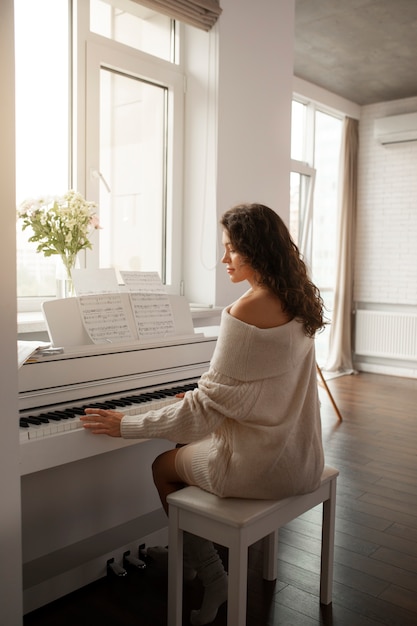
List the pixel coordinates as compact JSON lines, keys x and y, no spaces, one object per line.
{"x":259,"y":404}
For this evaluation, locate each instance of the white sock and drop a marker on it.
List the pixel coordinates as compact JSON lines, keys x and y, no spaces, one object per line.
{"x":215,"y":594}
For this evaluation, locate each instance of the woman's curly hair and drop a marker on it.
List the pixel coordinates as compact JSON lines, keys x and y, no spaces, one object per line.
{"x":262,"y":238}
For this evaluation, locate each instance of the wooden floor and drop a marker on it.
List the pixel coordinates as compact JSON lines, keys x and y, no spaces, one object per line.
{"x":375,"y":573}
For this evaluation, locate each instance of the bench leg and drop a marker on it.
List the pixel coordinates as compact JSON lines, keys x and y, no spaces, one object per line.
{"x":175,"y":567}
{"x":327,"y":546}
{"x":238,"y":582}
{"x":270,"y":555}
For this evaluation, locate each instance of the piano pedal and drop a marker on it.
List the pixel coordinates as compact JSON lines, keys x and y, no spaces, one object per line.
{"x":131,"y":561}
{"x":114,"y":569}
{"x":143,"y":556}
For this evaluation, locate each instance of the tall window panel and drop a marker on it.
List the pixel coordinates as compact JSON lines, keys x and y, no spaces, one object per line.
{"x":133,"y":208}
{"x":316,"y":140}
{"x":42,"y":125}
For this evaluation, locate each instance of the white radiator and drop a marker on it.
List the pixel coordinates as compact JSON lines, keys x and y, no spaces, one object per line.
{"x":386,"y":334}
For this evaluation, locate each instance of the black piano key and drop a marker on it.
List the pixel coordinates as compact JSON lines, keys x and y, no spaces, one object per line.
{"x":42,"y":418}
{"x":171,"y":391}
{"x":23,"y":423}
{"x":62,"y":414}
{"x":121,"y":403}
{"x":76,"y":410}
{"x":103,"y":405}
{"x":66,"y":414}
{"x":33,"y":420}
{"x":134,"y":398}
{"x":152,"y":395}
{"x":54,"y":415}
{"x":190,"y":387}
{"x":39,"y":418}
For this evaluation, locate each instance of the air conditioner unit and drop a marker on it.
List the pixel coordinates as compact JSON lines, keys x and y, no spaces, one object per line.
{"x":396,"y":128}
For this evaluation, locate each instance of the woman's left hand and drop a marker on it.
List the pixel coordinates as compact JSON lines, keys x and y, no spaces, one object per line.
{"x":102,"y":422}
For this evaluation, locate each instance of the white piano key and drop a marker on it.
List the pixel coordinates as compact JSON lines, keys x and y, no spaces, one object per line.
{"x":23,"y":435}
{"x":50,"y":429}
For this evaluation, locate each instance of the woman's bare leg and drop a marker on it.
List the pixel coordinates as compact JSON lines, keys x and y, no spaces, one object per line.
{"x":167,"y":481}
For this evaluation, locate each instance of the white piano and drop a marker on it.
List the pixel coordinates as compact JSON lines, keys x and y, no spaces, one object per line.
{"x":86,"y":498}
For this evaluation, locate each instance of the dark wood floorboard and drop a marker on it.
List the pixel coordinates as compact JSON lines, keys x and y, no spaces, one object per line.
{"x":375,"y":570}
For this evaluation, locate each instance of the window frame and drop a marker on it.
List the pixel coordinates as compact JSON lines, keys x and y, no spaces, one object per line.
{"x":306,"y":217}
{"x":114,"y":56}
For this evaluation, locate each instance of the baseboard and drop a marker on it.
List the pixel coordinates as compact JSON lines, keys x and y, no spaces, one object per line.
{"x":390,"y":370}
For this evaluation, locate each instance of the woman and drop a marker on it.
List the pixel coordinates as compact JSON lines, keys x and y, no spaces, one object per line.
{"x":253,"y":424}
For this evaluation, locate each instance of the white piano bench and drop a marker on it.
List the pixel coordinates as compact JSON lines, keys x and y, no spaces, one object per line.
{"x":238,"y":523}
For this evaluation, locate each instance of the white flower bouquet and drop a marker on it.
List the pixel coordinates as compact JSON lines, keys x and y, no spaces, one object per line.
{"x":60,"y":225}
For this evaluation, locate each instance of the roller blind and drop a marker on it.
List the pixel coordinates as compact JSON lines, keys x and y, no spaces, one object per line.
{"x":200,"y":13}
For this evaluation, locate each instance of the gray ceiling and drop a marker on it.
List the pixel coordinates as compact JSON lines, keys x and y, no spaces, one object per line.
{"x":363,"y":50}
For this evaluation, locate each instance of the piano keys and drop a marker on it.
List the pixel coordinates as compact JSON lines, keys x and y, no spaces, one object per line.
{"x":65,"y":419}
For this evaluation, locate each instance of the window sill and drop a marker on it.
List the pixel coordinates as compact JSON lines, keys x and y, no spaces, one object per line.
{"x":205,"y":316}
{"x":30,"y":322}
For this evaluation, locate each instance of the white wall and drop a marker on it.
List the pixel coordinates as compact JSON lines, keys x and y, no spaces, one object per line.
{"x":200,"y":147}
{"x":386,"y":251}
{"x":249,"y":158}
{"x":10,"y":528}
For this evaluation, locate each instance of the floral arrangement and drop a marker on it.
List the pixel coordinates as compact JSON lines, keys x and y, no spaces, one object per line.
{"x":60,"y":225}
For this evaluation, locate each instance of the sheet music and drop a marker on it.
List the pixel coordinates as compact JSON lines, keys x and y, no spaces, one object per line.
{"x":153,"y":314}
{"x":150,"y":304}
{"x":145,"y":282}
{"x":91,"y":281}
{"x":104,"y":318}
{"x":26,"y":350}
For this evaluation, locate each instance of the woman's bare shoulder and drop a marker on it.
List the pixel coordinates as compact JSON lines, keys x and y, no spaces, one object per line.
{"x":261,"y":308}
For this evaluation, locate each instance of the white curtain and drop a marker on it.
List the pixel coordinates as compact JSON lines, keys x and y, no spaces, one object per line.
{"x":340,"y":349}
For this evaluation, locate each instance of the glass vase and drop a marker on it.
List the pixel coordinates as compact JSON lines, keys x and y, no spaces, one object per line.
{"x":64,"y":284}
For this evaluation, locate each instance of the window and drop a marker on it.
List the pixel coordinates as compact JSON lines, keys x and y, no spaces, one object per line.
{"x":42,"y":125}
{"x":136,"y":26}
{"x":315,"y":146}
{"x":119,"y":144}
{"x":301,"y":198}
{"x":134,"y":161}
{"x":298,"y":131}
{"x":132,"y":138}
